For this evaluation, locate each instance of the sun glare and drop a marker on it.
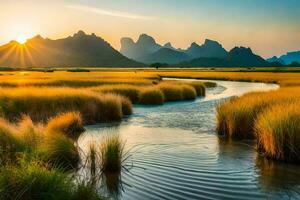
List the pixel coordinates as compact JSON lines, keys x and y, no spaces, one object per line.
{"x":21,"y":39}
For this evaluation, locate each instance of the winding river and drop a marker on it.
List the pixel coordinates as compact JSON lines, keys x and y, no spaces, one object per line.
{"x":174,"y":153}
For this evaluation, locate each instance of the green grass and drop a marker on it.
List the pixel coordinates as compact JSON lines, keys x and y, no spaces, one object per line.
{"x":32,"y":181}
{"x":59,"y":151}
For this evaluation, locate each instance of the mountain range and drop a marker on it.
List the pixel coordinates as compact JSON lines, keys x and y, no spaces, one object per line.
{"x":83,"y":50}
{"x":74,"y":51}
{"x":237,"y":57}
{"x":146,"y":50}
{"x":287,"y":59}
{"x":211,"y":53}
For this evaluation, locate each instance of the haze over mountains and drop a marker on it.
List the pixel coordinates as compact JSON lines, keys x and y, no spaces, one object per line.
{"x":83,"y":50}
{"x":209,"y":54}
{"x":146,"y":50}
{"x":75,"y":51}
{"x":287,"y":59}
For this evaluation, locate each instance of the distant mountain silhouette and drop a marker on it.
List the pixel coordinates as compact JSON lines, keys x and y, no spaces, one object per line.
{"x":237,"y":57}
{"x":275,"y":59}
{"x":78,"y":50}
{"x":146,"y":49}
{"x":166,"y":55}
{"x":287,"y":59}
{"x":210,"y":49}
{"x":145,"y":45}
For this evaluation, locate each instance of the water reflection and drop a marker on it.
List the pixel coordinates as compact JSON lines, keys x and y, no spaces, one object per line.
{"x":176,"y":154}
{"x":278,"y":177}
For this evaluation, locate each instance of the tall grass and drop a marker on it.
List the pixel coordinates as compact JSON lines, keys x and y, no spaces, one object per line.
{"x":112,"y":153}
{"x":171,"y":92}
{"x":59,"y":151}
{"x":34,"y":181}
{"x":236,"y":117}
{"x":129,"y":91}
{"x":42,"y":104}
{"x":151,"y":96}
{"x":277,"y":130}
{"x":69,"y":124}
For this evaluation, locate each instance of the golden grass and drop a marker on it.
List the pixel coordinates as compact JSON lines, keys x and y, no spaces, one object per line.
{"x":236,"y":117}
{"x":69,"y":124}
{"x":151,"y":96}
{"x":277,"y":130}
{"x":42,"y":104}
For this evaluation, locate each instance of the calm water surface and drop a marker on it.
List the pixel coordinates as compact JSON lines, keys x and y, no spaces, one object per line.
{"x":176,"y":154}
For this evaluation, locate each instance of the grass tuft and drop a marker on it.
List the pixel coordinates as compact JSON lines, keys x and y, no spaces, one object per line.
{"x":112,"y":154}
{"x":69,"y":124}
{"x":151,"y":96}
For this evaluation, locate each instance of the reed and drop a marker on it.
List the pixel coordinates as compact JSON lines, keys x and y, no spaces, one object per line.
{"x":171,"y":92}
{"x":189,"y":92}
{"x":129,"y":91}
{"x":151,"y":96}
{"x":35,"y":181}
{"x":112,"y":155}
{"x":277,"y":130}
{"x":59,"y":151}
{"x":69,"y":124}
{"x":236,"y":117}
{"x":42,"y":104}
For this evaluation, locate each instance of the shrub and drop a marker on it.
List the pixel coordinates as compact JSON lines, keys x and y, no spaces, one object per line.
{"x":277,"y":130}
{"x":151,"y":96}
{"x":69,"y":124}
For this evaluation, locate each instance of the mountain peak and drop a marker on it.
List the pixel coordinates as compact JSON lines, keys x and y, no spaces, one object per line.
{"x":146,"y":39}
{"x":79,"y":34}
{"x":241,"y":50}
{"x":212,"y":43}
{"x":168,"y":45}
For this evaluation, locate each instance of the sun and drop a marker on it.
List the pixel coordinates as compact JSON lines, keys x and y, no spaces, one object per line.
{"x":21,"y":39}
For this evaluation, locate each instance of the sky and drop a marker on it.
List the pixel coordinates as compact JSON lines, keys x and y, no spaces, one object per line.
{"x":269,"y":27}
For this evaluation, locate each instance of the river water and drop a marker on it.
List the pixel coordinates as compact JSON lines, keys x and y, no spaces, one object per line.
{"x":174,"y":153}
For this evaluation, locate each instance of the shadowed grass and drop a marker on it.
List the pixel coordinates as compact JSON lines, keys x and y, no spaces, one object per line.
{"x":151,"y":96}
{"x":277,"y":130}
{"x":34,"y":181}
{"x":59,"y":151}
{"x":112,"y":154}
{"x":189,"y":92}
{"x":171,"y":92}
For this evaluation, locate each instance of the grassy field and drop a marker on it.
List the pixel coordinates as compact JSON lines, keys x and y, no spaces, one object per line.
{"x":43,"y":113}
